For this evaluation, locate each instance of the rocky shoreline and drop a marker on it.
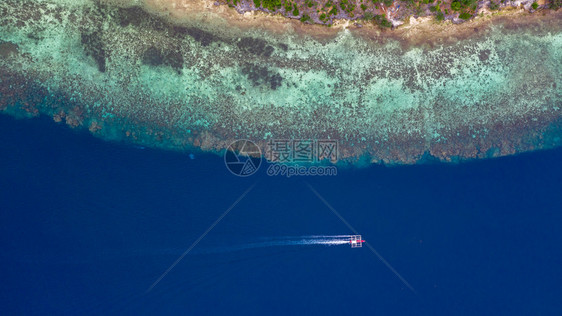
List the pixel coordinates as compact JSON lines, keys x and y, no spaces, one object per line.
{"x":383,"y":13}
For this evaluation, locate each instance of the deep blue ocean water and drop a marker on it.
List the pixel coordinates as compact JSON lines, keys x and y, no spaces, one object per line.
{"x":88,"y":225}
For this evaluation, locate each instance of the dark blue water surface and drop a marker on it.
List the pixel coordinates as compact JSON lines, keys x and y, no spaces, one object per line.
{"x":87,"y":226}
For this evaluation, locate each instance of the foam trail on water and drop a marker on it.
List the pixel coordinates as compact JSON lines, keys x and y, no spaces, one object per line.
{"x":286,"y":242}
{"x":323,"y":242}
{"x":307,"y":237}
{"x":269,"y":242}
{"x":328,"y":236}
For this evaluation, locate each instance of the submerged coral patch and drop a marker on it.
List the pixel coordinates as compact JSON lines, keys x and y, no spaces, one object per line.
{"x":94,"y":47}
{"x":155,"y":57}
{"x":255,"y":46}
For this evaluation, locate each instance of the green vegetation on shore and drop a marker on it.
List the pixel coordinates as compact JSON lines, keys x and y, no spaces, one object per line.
{"x":379,"y":12}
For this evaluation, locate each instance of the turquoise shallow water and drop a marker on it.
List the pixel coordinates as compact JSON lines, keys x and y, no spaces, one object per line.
{"x":125,"y":74}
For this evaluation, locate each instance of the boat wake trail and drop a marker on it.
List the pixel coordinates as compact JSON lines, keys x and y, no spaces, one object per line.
{"x":291,"y":241}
